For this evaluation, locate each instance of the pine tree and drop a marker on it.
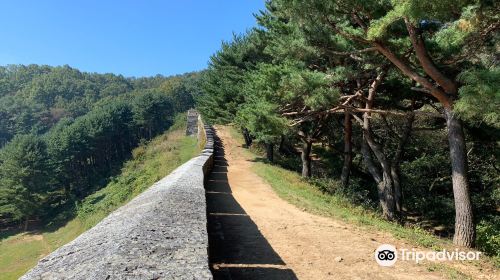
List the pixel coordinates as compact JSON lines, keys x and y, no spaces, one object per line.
{"x":410,"y":35}
{"x":24,"y":180}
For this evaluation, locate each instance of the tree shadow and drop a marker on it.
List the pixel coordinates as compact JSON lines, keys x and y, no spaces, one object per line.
{"x":237,"y":249}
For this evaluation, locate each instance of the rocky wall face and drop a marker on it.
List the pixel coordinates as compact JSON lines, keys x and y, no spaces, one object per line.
{"x":160,"y":234}
{"x":192,"y":123}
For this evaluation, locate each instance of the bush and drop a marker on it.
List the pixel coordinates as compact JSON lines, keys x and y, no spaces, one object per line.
{"x":356,"y":193}
{"x":488,"y":236}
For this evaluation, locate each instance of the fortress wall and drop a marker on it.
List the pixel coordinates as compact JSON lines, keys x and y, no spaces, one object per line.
{"x":160,"y":234}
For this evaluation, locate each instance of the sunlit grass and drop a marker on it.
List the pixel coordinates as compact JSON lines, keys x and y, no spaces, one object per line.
{"x":291,"y":187}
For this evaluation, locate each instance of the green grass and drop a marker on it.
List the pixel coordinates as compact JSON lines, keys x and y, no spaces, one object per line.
{"x":150,"y":162}
{"x":291,"y":187}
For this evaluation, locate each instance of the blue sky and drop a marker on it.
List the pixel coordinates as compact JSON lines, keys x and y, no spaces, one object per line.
{"x":133,"y":38}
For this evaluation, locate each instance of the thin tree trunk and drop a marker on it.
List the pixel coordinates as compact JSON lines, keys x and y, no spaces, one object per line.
{"x":281,"y":148}
{"x":395,"y":167}
{"x":384,"y":182}
{"x":385,"y":188}
{"x":246,"y":136}
{"x":346,"y":169}
{"x":398,"y":192}
{"x":306,"y":158}
{"x":369,"y":163}
{"x":465,"y":233}
{"x":270,"y":152}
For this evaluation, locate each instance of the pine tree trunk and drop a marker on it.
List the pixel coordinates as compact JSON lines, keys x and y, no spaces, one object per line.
{"x":384,"y":182}
{"x":270,"y":152}
{"x":306,"y":158}
{"x":246,"y":136}
{"x":346,"y":169}
{"x":398,"y":193}
{"x":369,"y":163}
{"x":464,"y":221}
{"x":281,"y":147}
{"x":464,"y":225}
{"x":385,"y":186}
{"x":386,"y":195}
{"x":396,"y":162}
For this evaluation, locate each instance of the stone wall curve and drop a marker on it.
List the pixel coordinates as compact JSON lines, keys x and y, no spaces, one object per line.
{"x":160,"y":234}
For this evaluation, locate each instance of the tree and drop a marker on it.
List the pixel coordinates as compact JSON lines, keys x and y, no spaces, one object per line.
{"x":24,"y":179}
{"x":222,"y":82}
{"x":280,"y":98}
{"x":296,"y":80}
{"x":182,"y":89}
{"x":399,"y":30}
{"x":153,"y":112}
{"x":480,"y":90}
{"x":259,"y":116}
{"x":76,"y":126}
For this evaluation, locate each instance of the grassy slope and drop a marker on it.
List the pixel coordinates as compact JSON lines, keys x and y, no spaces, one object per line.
{"x":150,"y":163}
{"x":290,"y":186}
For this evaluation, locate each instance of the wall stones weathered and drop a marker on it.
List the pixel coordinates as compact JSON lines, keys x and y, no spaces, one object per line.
{"x":160,"y":234}
{"x":192,"y":122}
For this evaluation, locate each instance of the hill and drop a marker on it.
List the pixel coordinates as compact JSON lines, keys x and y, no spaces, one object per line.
{"x":150,"y":161}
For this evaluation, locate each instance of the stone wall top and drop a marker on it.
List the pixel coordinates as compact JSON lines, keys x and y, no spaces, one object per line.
{"x":160,"y":234}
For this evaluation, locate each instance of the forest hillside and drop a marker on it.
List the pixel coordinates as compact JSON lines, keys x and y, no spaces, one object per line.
{"x":63,"y":132}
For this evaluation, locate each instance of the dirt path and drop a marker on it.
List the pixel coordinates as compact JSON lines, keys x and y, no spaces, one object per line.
{"x":254,"y":234}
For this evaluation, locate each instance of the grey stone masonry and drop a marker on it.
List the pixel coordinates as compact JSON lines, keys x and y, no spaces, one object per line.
{"x":192,"y":122}
{"x":160,"y":234}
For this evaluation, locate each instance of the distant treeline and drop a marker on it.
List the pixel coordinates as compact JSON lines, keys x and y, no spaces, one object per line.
{"x":63,"y":131}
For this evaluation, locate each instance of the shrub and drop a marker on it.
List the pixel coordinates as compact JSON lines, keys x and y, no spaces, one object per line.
{"x":488,"y":236}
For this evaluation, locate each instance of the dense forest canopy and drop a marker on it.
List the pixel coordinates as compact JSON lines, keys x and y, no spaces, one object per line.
{"x":393,"y":104}
{"x":63,"y":132}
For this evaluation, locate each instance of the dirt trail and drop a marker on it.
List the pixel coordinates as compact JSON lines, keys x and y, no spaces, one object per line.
{"x":254,"y":234}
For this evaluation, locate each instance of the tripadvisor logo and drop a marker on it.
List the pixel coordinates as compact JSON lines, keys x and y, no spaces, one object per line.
{"x":387,"y":255}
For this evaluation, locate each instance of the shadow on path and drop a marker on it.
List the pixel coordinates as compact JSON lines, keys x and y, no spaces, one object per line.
{"x":237,"y":249}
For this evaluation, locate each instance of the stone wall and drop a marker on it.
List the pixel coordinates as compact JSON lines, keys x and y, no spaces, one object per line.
{"x":160,"y":234}
{"x":192,"y":122}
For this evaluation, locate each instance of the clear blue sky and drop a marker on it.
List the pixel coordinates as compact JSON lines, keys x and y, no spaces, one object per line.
{"x":129,"y":37}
